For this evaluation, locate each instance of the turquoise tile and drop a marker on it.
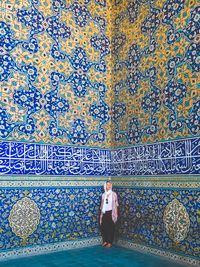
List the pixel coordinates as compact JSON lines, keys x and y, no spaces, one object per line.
{"x":96,"y":256}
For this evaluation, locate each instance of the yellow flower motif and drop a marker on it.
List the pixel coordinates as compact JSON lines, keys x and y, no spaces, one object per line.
{"x":192,"y":3}
{"x":45,"y":7}
{"x":159,"y":3}
{"x":16,"y":114}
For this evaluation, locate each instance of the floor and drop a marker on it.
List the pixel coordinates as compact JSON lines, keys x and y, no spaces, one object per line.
{"x":93,"y":256}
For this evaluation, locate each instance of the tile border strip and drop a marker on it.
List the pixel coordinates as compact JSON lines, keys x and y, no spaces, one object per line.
{"x":43,"y":160}
{"x":90,"y":183}
{"x":53,"y":178}
{"x":158,"y":184}
{"x":38,"y":250}
{"x":166,"y":254}
{"x":156,"y":142}
{"x":22,"y":184}
{"x":177,"y":157}
{"x":123,"y":178}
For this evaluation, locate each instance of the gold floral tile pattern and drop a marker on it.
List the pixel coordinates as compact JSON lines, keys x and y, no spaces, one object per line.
{"x":156,"y":65}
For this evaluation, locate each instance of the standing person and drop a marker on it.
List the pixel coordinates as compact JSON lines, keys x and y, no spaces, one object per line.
{"x":108,"y":214}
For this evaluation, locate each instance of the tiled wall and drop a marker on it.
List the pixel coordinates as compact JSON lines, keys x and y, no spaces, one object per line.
{"x":61,"y":185}
{"x":155,"y":56}
{"x":49,"y":195}
{"x":158,"y":186}
{"x":155,"y":78}
{"x":55,"y":71}
{"x":45,"y":215}
{"x":54,"y":91}
{"x":101,"y":74}
{"x":163,"y":218}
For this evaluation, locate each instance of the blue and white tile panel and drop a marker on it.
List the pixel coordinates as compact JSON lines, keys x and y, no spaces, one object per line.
{"x":36,"y":159}
{"x":179,"y":157}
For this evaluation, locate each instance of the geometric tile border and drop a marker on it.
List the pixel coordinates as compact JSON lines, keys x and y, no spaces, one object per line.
{"x":144,"y":183}
{"x":37,"y":250}
{"x":169,"y":255}
{"x":136,"y":184}
{"x":37,"y":184}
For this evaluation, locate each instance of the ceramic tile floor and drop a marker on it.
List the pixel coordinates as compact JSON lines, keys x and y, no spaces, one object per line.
{"x":92,"y":256}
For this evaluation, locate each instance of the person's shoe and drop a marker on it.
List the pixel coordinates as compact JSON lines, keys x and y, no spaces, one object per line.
{"x":109,"y":245}
{"x":104,"y":244}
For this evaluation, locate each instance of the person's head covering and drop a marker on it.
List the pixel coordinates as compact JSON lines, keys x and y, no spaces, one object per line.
{"x":107,"y":194}
{"x":109,"y":191}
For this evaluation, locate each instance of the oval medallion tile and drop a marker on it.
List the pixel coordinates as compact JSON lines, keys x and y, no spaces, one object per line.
{"x":176,"y":220}
{"x":24,"y":217}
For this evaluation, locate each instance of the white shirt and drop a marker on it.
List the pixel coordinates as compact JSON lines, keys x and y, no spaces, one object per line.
{"x":109,"y":205}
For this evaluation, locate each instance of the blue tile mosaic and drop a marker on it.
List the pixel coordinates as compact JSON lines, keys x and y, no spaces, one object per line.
{"x":144,"y":218}
{"x":66,"y":213}
{"x":56,"y":89}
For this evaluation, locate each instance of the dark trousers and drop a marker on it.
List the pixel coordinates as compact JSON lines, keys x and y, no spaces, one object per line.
{"x":107,"y":227}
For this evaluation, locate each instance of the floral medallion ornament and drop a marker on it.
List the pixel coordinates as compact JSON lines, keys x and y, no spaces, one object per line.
{"x":176,"y":220}
{"x":24,"y":217}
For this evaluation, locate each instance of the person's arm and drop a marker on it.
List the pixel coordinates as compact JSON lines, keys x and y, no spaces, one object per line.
{"x":117,"y":203}
{"x":100,"y":211}
{"x":117,"y":206}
